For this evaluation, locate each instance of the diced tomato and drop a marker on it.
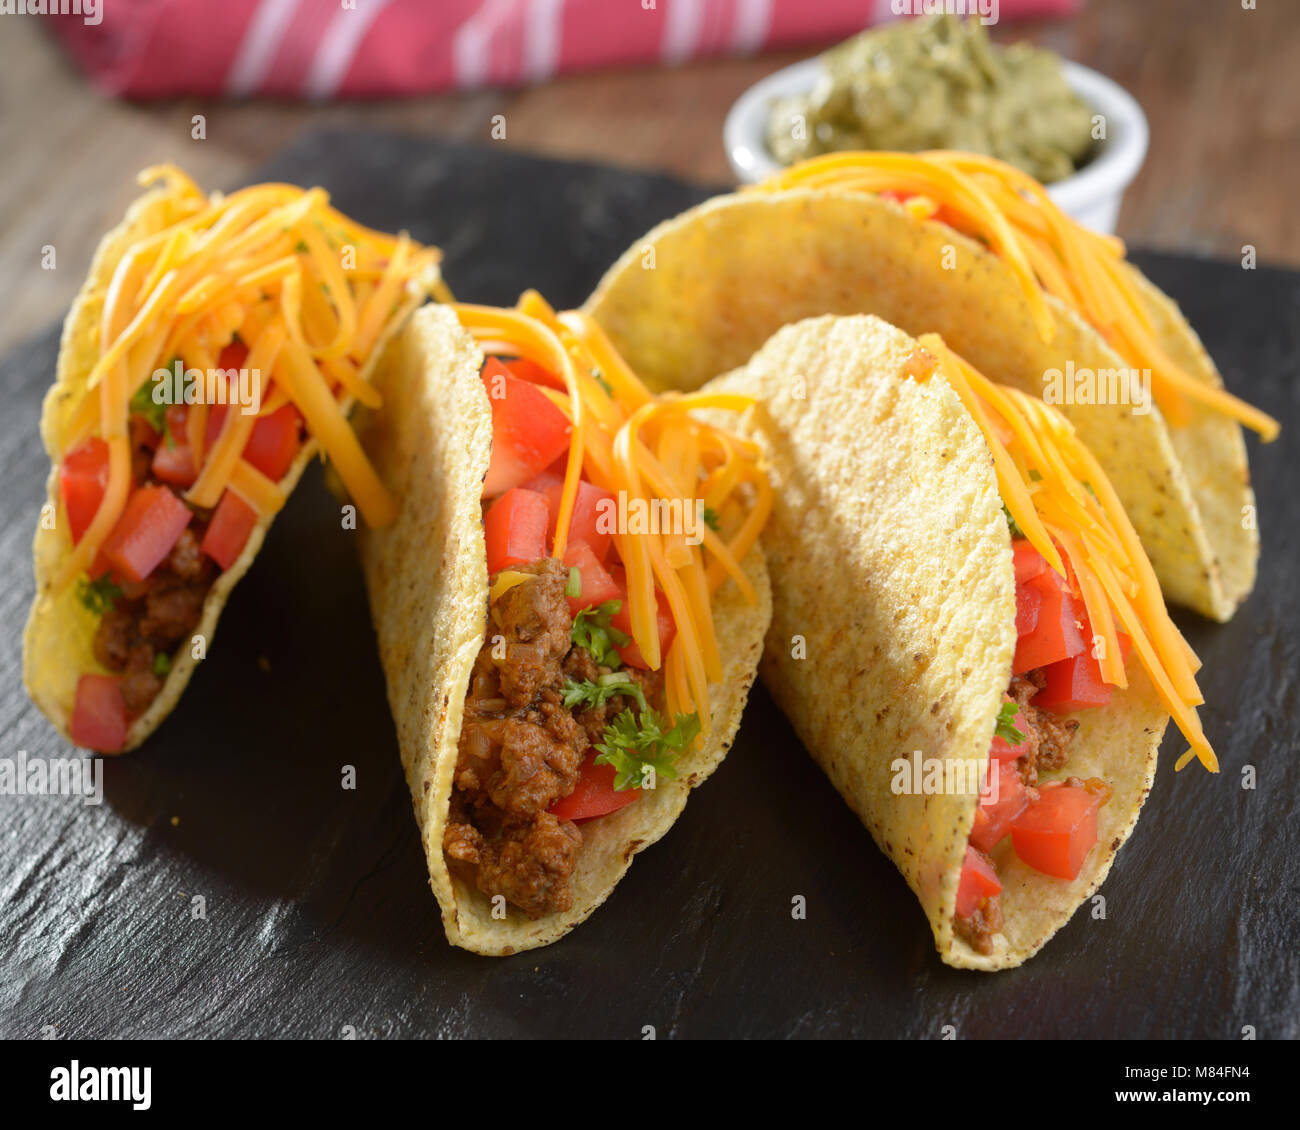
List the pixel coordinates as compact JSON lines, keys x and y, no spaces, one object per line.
{"x":1028,"y":561}
{"x":1076,"y":683}
{"x":978,"y":882}
{"x":227,"y":533}
{"x":547,"y":477}
{"x":233,"y":356}
{"x":99,"y":714}
{"x":630,"y":653}
{"x":993,"y":817}
{"x":528,"y":431}
{"x":174,"y":463}
{"x":273,"y":446}
{"x":1003,"y":750}
{"x":1029,"y":602}
{"x":593,"y":512}
{"x":527,"y":370}
{"x":594,"y":795}
{"x":83,"y":478}
{"x":515,"y":528}
{"x":1061,"y":627}
{"x":597,"y":586}
{"x":146,"y":531}
{"x":216,"y":421}
{"x":1055,"y":833}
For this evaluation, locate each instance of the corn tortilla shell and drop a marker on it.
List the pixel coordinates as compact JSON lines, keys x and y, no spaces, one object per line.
{"x":58,"y":642}
{"x":893,"y":623}
{"x":428,"y":583}
{"x":698,"y":294}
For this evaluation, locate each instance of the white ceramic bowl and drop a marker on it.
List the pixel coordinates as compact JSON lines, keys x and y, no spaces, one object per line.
{"x":1092,"y":195}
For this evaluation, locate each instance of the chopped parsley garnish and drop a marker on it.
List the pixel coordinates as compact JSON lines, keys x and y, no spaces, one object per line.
{"x":593,"y":631}
{"x":588,"y":694}
{"x":600,"y":380}
{"x":143,"y":404}
{"x":301,"y":247}
{"x":1016,"y":531}
{"x":162,"y":665}
{"x":632,"y":744}
{"x":574,"y":587}
{"x":1005,"y":729}
{"x":98,"y":595}
{"x":1035,"y":476}
{"x":711,"y":519}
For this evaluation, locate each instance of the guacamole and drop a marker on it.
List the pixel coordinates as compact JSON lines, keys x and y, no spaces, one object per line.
{"x":938,"y":83}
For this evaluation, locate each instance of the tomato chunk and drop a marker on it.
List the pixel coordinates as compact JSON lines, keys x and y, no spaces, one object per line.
{"x":274,"y":444}
{"x":1076,"y":683}
{"x":233,"y":356}
{"x":1055,"y":833}
{"x":83,"y":478}
{"x":595,"y":585}
{"x":528,"y":431}
{"x":593,"y":512}
{"x":174,"y":463}
{"x":515,"y":529}
{"x":227,"y":533}
{"x":144,"y":535}
{"x":594,"y":795}
{"x":993,"y":816}
{"x":531,"y":371}
{"x":978,"y":882}
{"x":1029,"y":563}
{"x":630,"y":653}
{"x":1058,"y":632}
{"x":99,"y":714}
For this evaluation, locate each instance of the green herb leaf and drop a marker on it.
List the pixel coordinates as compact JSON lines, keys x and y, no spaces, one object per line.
{"x":98,"y":595}
{"x":631,"y":744}
{"x":600,"y":380}
{"x":1005,"y":728}
{"x":574,"y":587}
{"x":1016,"y":531}
{"x":162,"y":665}
{"x":301,"y":247}
{"x":593,"y":631}
{"x":589,"y":693}
{"x":711,"y":519}
{"x":143,"y":404}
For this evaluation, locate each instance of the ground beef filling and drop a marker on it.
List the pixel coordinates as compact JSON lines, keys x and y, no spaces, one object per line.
{"x":154,"y":618}
{"x":521,"y":749}
{"x":1048,"y":737}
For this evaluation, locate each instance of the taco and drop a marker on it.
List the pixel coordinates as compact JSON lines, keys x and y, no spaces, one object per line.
{"x":570,"y":607}
{"x":966,"y":633}
{"x":217,"y":344}
{"x":972,"y":249}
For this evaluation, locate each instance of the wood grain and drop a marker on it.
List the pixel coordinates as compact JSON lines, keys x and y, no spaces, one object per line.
{"x":1219,"y":83}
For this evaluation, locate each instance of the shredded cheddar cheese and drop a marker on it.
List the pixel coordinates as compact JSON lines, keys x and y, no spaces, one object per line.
{"x":1045,"y":249}
{"x":1059,"y":496}
{"x":278,"y":266}
{"x":644,"y":448}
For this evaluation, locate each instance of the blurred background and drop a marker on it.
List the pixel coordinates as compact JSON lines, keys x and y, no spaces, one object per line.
{"x":86,"y":100}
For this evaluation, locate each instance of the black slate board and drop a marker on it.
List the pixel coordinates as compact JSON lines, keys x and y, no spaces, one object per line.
{"x":319,"y":913}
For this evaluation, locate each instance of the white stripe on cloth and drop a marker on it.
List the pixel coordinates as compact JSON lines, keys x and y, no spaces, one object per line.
{"x":258,"y":47}
{"x":748,"y":33}
{"x":338,"y":47}
{"x":683,"y":22}
{"x":542,"y":37}
{"x":470,"y":47}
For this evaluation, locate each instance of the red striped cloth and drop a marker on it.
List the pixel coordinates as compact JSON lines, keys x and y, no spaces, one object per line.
{"x":328,"y":48}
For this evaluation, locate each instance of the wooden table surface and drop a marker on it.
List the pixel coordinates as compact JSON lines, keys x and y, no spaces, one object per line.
{"x":1220,"y":85}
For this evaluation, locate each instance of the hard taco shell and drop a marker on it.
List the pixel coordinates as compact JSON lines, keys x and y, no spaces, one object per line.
{"x":428,"y":584}
{"x":893,"y":625}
